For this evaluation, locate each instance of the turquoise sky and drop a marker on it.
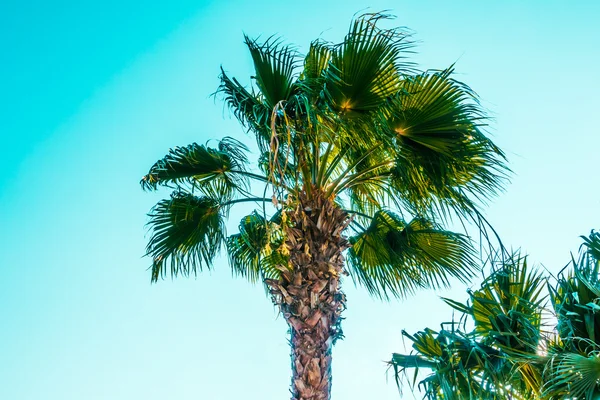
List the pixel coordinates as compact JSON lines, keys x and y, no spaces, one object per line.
{"x":92,"y":93}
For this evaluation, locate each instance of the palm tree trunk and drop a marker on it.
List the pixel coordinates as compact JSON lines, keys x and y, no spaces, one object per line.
{"x":309,"y":294}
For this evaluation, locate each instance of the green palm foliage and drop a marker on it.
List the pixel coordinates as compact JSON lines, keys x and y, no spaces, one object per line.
{"x":395,"y":257}
{"x":488,"y":362}
{"x":509,"y":354}
{"x":573,"y":368}
{"x":251,"y":251}
{"x":351,"y":126}
{"x":357,"y":124}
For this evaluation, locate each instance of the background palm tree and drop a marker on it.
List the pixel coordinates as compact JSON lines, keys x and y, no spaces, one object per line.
{"x":358,"y":151}
{"x":573,"y":366}
{"x":509,"y":354}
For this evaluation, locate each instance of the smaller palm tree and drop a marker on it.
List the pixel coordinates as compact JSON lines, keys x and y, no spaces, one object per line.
{"x":573,"y":367}
{"x":508,"y":355}
{"x":488,"y":362}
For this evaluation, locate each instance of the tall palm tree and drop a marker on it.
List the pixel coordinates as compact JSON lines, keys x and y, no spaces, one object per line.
{"x":509,"y":354}
{"x":353,"y":140}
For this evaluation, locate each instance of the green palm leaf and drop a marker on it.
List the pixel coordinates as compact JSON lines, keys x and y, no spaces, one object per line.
{"x":508,"y":307}
{"x":590,"y":254}
{"x":574,"y":367}
{"x":368,"y":197}
{"x":573,"y":376}
{"x":460,"y":367}
{"x":218,"y":171}
{"x":274,"y":66}
{"x":575,"y":297}
{"x":508,"y":355}
{"x":391,"y":256}
{"x":254,"y":252}
{"x":443,"y":155}
{"x":367,"y":66}
{"x":316,"y":61}
{"x":187,"y":233}
{"x":247,"y":107}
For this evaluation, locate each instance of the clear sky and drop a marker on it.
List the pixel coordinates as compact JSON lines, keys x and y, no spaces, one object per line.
{"x":92,"y":93}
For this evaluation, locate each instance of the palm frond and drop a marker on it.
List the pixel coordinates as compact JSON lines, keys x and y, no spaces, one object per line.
{"x":368,"y":197}
{"x":444,"y":160}
{"x":508,"y":307}
{"x":573,"y":376}
{"x":274,"y":66}
{"x":590,"y":251}
{"x":362,"y":170}
{"x":508,"y":355}
{"x":394,"y":257}
{"x":254,"y":251}
{"x":245,"y":247}
{"x":316,"y":61}
{"x":367,"y":65}
{"x":214,"y":171}
{"x":187,"y":233}
{"x":459,"y":366}
{"x":247,"y":107}
{"x":575,"y":298}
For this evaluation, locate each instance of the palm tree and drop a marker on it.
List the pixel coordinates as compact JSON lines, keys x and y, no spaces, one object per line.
{"x":509,"y":354}
{"x":352,"y":141}
{"x":573,"y":361}
{"x":490,"y":361}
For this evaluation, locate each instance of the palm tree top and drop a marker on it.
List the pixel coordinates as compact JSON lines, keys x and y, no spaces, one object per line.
{"x":355,"y":123}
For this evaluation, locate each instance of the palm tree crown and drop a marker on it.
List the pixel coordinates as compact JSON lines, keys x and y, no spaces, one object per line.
{"x":352,"y":141}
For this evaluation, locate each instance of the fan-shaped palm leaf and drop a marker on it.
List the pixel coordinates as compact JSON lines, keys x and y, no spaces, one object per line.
{"x":575,"y":298}
{"x":442,"y":154}
{"x":573,"y":369}
{"x":517,"y":363}
{"x":499,"y":359}
{"x":247,"y":107}
{"x":591,"y":247}
{"x":316,"y":61}
{"x":391,"y":256}
{"x":367,"y":65}
{"x":575,"y":303}
{"x":274,"y":66}
{"x":215,"y":171}
{"x":187,"y":233}
{"x":573,"y":376}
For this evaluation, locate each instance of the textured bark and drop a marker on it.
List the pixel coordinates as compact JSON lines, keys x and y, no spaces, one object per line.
{"x":309,"y":294}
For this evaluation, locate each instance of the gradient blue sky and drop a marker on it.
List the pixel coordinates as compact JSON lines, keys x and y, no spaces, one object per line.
{"x":92,"y":93}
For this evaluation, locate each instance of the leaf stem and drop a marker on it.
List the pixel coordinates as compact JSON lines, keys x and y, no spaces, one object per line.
{"x":248,"y":199}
